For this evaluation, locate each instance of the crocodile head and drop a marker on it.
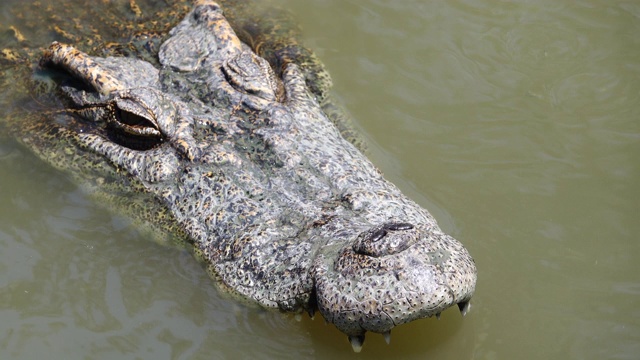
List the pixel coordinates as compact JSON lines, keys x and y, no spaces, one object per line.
{"x":243,"y":165}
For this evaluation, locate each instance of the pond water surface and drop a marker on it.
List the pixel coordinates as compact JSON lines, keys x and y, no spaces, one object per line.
{"x":517,"y":124}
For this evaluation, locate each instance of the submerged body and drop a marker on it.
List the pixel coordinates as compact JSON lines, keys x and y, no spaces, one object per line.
{"x":237,"y":157}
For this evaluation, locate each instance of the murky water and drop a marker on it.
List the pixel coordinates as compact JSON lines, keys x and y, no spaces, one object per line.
{"x":517,"y":124}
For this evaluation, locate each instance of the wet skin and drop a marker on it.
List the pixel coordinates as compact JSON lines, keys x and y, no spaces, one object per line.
{"x":239,"y":159}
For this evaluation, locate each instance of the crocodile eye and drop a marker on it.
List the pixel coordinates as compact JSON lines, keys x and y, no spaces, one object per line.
{"x":134,"y":124}
{"x":132,"y":129}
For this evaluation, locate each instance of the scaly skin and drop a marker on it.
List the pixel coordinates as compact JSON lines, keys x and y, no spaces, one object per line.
{"x":241,"y":163}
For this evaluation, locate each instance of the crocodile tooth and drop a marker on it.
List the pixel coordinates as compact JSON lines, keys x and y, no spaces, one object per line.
{"x":312,"y":313}
{"x":438,"y":316}
{"x":356,"y":342}
{"x":298,"y":317}
{"x":387,"y":337}
{"x":464,"y":307}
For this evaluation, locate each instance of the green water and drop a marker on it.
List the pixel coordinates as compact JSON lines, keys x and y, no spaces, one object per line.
{"x":517,"y":124}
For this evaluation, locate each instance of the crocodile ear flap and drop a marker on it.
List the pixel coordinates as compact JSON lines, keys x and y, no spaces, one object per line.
{"x":317,"y":78}
{"x":294,"y":84}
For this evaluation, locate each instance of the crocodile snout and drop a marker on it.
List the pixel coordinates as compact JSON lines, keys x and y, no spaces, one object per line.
{"x":393,"y":273}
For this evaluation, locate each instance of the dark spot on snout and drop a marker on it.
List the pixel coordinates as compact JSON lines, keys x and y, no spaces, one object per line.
{"x":377,"y":235}
{"x":383,"y":231}
{"x":398,"y":226}
{"x":385,"y":239}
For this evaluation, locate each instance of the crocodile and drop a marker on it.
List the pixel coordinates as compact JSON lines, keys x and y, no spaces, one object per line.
{"x":233,"y":152}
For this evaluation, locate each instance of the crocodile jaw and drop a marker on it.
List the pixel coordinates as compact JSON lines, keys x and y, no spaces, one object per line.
{"x":360,"y":292}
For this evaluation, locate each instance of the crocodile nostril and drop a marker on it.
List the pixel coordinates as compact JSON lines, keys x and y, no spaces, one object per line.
{"x":386,"y":239}
{"x":398,"y":226}
{"x":377,"y":235}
